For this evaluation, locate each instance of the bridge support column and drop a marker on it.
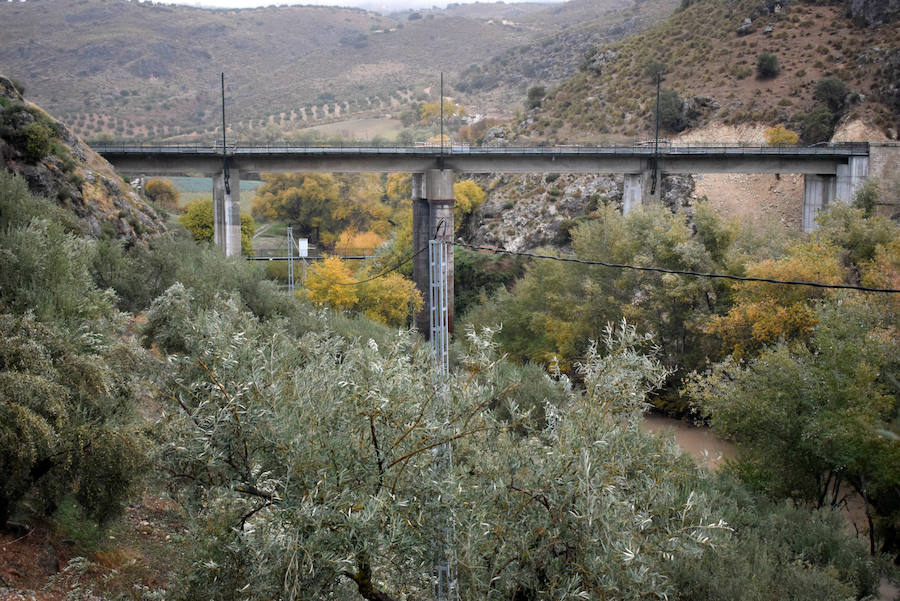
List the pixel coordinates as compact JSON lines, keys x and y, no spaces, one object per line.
{"x":432,"y":196}
{"x":850,"y":177}
{"x":639,"y":189}
{"x":421,"y":234}
{"x":818,"y":193}
{"x":633,"y":192}
{"x":227,"y":212}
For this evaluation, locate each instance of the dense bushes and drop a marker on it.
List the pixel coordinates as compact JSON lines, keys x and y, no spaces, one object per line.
{"x":767,"y":66}
{"x":68,"y":373}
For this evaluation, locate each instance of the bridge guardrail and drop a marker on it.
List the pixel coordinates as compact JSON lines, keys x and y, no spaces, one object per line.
{"x":670,"y":150}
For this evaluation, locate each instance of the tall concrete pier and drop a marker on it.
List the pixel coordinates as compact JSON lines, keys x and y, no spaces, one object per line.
{"x":227,"y":212}
{"x":432,"y":199}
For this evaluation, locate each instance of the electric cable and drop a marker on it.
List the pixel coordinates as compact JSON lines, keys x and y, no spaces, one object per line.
{"x":699,"y":274}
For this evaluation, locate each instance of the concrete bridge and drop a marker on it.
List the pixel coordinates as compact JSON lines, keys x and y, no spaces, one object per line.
{"x":831,"y":172}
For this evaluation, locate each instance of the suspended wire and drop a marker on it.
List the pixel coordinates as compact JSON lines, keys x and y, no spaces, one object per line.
{"x":699,"y":274}
{"x":437,"y":230}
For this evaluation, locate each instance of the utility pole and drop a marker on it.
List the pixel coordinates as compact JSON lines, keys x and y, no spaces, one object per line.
{"x":656,"y":136}
{"x":224,"y":147}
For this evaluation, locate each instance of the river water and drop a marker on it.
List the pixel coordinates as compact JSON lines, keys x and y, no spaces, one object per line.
{"x":710,"y":451}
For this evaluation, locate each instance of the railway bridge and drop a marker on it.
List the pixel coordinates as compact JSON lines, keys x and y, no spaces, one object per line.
{"x":831,"y":172}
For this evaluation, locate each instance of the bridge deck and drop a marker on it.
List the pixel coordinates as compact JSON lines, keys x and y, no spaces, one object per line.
{"x":682,"y":158}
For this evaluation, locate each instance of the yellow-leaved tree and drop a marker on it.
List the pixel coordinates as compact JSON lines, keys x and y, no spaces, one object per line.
{"x":390,"y":299}
{"x":469,"y":197}
{"x":765,"y":313}
{"x":353,"y":242}
{"x":781,"y":136}
{"x":330,"y":282}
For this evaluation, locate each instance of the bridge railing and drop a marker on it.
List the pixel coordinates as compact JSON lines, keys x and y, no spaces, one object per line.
{"x":633,"y":148}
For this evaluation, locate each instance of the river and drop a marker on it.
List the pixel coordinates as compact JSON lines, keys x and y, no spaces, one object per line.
{"x":711,"y":451}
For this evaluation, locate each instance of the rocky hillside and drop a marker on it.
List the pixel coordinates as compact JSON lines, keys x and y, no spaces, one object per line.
{"x":59,"y":166}
{"x":553,"y":59}
{"x":710,"y":53}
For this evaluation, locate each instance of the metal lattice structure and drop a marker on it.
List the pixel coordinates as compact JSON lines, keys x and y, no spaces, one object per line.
{"x":290,"y":241}
{"x":444,"y":583}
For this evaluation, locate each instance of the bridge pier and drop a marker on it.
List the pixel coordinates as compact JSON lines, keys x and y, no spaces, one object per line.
{"x":821,"y":190}
{"x":850,"y":177}
{"x":818,"y":192}
{"x":227,"y":212}
{"x":639,"y":189}
{"x":432,"y":200}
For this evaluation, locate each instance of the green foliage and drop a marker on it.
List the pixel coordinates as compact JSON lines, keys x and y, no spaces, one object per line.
{"x":671,"y":110}
{"x":866,"y":197}
{"x":557,"y":307}
{"x":817,"y":125}
{"x":199,"y":221}
{"x":654,"y":70}
{"x":832,"y":92}
{"x":66,"y":373}
{"x":808,"y":418}
{"x":478,"y":275}
{"x":767,"y":66}
{"x":535,"y":97}
{"x":342,"y":475}
{"x":778,"y":546}
{"x":37,"y":137}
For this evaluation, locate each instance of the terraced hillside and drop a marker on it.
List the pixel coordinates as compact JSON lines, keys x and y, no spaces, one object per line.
{"x":150,"y":71}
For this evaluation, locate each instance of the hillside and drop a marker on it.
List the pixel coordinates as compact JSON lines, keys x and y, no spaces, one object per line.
{"x":59,"y":166}
{"x":149,"y":71}
{"x":709,"y":52}
{"x":556,"y":57}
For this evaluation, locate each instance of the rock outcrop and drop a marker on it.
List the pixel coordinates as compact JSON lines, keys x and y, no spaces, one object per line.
{"x":874,"y":12}
{"x":61,"y":167}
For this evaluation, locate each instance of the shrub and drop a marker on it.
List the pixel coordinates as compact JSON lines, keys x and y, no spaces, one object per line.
{"x":781,"y":136}
{"x":832,"y":92}
{"x":767,"y":66}
{"x":535,"y":97}
{"x":671,"y":110}
{"x":817,"y":125}
{"x":162,"y":192}
{"x":37,"y":138}
{"x":655,"y":69}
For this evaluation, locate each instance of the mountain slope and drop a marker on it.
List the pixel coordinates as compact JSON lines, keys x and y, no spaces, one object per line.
{"x":714,"y":66}
{"x":56,"y":164}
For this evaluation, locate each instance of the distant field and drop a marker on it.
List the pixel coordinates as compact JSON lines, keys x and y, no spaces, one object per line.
{"x":199,"y":188}
{"x":360,"y":129}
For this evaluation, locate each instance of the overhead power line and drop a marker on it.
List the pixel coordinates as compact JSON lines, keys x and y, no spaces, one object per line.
{"x":698,"y":274}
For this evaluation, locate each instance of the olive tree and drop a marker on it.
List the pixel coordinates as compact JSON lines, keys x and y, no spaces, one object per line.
{"x":310,"y":465}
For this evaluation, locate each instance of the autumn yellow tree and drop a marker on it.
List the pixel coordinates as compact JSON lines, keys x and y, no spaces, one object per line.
{"x":469,"y":197}
{"x":390,"y":298}
{"x":162,"y":192}
{"x":352,"y":241}
{"x":765,"y":313}
{"x":430,"y":112}
{"x":781,"y":136}
{"x":198,"y":219}
{"x":330,"y":282}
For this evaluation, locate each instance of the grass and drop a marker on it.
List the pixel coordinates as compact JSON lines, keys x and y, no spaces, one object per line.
{"x":191,"y":189}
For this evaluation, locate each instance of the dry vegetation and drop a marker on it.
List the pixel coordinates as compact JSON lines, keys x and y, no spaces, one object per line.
{"x":703,"y":55}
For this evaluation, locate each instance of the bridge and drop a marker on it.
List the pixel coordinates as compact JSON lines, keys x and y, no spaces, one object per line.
{"x":832,"y":171}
